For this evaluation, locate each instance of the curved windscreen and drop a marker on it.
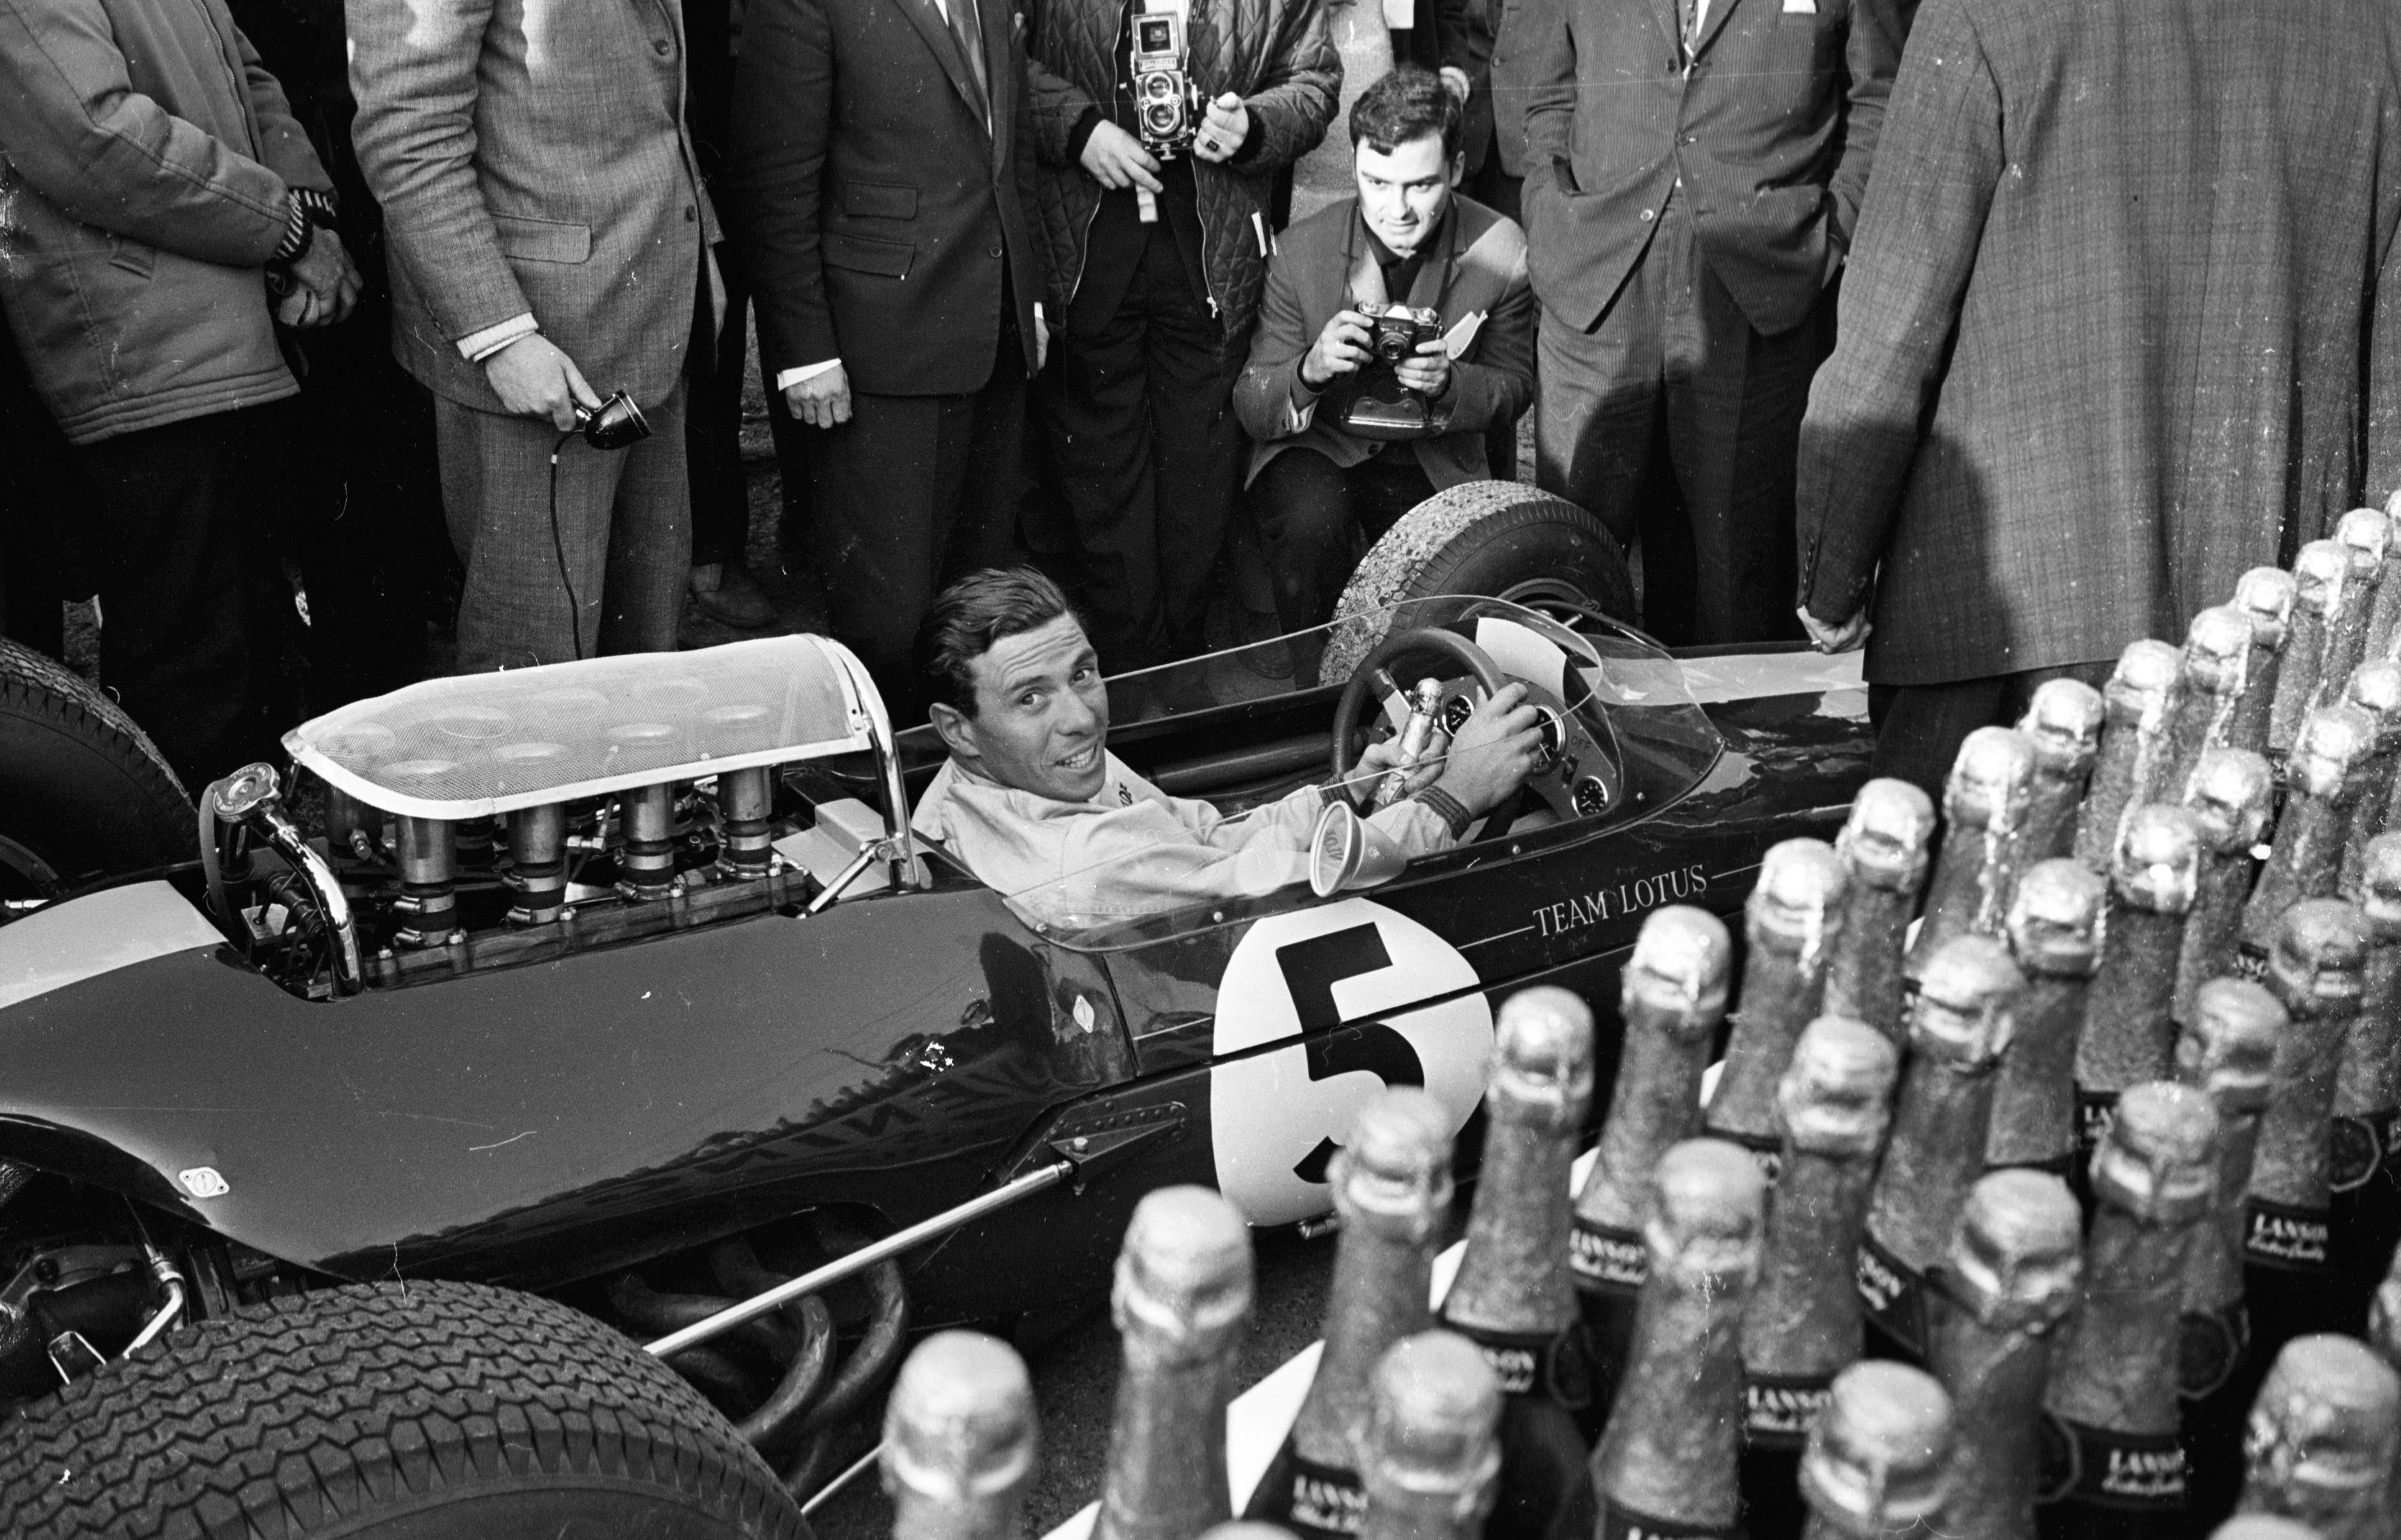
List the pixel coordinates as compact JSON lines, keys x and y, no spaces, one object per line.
{"x":1139,"y":860}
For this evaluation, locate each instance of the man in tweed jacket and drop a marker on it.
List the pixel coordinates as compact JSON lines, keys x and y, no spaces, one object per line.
{"x":2122,"y":321}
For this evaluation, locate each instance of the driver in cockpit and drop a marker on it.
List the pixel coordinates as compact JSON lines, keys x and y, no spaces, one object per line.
{"x":1039,"y":809}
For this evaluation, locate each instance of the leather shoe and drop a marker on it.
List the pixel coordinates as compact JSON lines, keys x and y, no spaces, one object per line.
{"x":735,"y":599}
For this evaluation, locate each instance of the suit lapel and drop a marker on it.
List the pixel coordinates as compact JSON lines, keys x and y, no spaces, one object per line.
{"x":1671,"y":25}
{"x":999,"y":68}
{"x":1715,"y":20}
{"x":928,"y":19}
{"x":1434,"y":278}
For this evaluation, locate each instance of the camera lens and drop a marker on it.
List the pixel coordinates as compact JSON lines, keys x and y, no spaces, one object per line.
{"x":1391,"y":345}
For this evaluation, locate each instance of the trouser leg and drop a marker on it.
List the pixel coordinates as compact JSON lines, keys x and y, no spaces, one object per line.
{"x":721,"y":496}
{"x":1200,"y":451}
{"x":1302,"y":501}
{"x":1096,"y":416}
{"x":1596,"y":416}
{"x":1920,"y":727}
{"x":650,"y":536}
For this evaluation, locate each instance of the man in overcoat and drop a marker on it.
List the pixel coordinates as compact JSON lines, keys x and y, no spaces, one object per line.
{"x":2122,"y":321}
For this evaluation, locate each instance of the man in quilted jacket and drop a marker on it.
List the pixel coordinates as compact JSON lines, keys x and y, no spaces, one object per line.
{"x":1156,"y":261}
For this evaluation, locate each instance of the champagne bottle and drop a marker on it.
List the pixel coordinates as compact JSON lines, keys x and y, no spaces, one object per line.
{"x":1960,"y":1028}
{"x":1513,"y":1297}
{"x":1673,"y":996}
{"x":1884,"y":845}
{"x":2384,"y":1315}
{"x":2360,"y":533}
{"x":2375,"y":693}
{"x":1181,"y":1299}
{"x":1666,"y":1462}
{"x":2364,"y":1172}
{"x":2315,"y":973}
{"x":2063,"y":722}
{"x":2323,"y":1438}
{"x":2005,"y":1283}
{"x":2387,"y":612}
{"x":1391,"y":1190}
{"x":2227,"y":1053}
{"x":1791,"y":908}
{"x":2217,"y":649}
{"x":1985,"y":808}
{"x":2265,"y":596}
{"x":2054,"y":930}
{"x":2128,"y":1038}
{"x":2231,"y":793}
{"x":960,"y":1440}
{"x":2263,"y":1526}
{"x":1803,"y":1326}
{"x":1429,"y":1446}
{"x":2140,"y":700}
{"x":2322,"y":782}
{"x":2112,"y":1467}
{"x":1879,"y":1466}
{"x":2318,"y":572}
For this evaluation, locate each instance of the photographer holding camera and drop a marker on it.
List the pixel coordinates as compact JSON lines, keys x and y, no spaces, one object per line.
{"x":1161,"y":126}
{"x":1396,"y":327}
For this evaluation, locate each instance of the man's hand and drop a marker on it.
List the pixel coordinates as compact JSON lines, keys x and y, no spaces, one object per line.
{"x":1225,"y":123}
{"x":823,"y":399}
{"x":1455,"y":78}
{"x":1840,"y":638}
{"x":1117,"y":160}
{"x":1377,"y":759}
{"x":1341,"y":349}
{"x":325,"y":285}
{"x":1496,"y":750}
{"x":1428,"y":374}
{"x":533,"y":379}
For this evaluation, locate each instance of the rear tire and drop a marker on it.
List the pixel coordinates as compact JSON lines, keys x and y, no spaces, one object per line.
{"x":404,"y":1411}
{"x":1501,"y":538}
{"x":84,"y":794}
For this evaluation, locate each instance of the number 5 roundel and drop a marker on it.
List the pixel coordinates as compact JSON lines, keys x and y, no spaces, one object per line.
{"x":1276,"y":1118}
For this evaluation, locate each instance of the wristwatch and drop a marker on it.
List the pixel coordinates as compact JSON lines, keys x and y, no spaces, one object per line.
{"x":309,"y":212}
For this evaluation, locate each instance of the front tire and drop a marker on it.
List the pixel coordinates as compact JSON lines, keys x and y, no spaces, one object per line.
{"x":403,"y":1411}
{"x":84,"y":794}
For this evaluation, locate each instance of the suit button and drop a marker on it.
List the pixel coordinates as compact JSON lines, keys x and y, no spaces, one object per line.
{"x":1687,"y":138}
{"x":1649,"y":214}
{"x":1674,"y":63}
{"x":995,"y":249}
{"x":660,"y":47}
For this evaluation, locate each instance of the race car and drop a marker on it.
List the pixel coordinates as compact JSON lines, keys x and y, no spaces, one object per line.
{"x":618,"y":999}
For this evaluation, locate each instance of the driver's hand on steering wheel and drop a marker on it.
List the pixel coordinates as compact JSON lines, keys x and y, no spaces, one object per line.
{"x":1496,"y":750}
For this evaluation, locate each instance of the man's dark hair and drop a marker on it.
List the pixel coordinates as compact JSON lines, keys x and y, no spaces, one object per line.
{"x":972,"y":613}
{"x":1409,"y":103}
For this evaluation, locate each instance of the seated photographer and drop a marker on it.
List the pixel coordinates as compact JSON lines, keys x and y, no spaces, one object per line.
{"x":1037,"y":808}
{"x":1396,"y":327}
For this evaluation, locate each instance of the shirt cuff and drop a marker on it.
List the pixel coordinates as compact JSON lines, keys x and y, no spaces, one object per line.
{"x":475,"y":347}
{"x":789,"y":378}
{"x":1452,"y":812}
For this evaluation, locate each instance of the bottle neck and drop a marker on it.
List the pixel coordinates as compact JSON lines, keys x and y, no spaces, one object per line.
{"x":916,"y":1517}
{"x":2290,"y":1166}
{"x":2297,"y":676}
{"x":1804,"y":1316}
{"x":2211,"y":930}
{"x":2051,"y":814}
{"x":1166,"y":1478}
{"x":2034,"y":1098}
{"x":1935,"y":1154}
{"x":2370,"y":1077}
{"x":1781,"y":988}
{"x":1418,"y":1516}
{"x":2116,"y":1368}
{"x":1673,"y":1438}
{"x":1972,"y":884}
{"x":2112,"y":792}
{"x":2214,"y":1270}
{"x":2128,"y":1038}
{"x":1655,"y":1102}
{"x":1864,"y":968}
{"x":2247,"y":727}
{"x":1513,"y":1276}
{"x":2305,"y":862}
{"x":1378,"y":1297}
{"x":1996,"y":1377}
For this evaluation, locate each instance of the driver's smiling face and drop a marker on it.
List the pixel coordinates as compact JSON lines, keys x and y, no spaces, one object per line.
{"x":1042,"y":714}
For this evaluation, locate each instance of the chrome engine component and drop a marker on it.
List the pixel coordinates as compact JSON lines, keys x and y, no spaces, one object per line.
{"x":428,"y":877}
{"x":538,"y":863}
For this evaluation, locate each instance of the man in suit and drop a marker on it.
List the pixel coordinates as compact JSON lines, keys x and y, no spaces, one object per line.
{"x":1321,"y":469}
{"x":2124,"y":320}
{"x":549,"y":236}
{"x":1486,"y":54}
{"x":1694,"y":169}
{"x":883,"y":153}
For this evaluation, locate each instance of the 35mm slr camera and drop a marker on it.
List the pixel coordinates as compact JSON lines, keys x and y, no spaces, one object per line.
{"x":1395,"y":330}
{"x":1375,"y":404}
{"x":1167,"y":105}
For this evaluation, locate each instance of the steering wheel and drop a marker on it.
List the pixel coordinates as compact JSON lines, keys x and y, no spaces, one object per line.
{"x":1471,"y":659}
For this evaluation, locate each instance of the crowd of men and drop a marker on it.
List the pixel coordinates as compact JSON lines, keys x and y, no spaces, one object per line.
{"x":1992,"y":334}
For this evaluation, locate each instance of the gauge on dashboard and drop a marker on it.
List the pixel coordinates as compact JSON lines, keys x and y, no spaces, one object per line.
{"x":1455,"y":714}
{"x":1554,"y":730}
{"x":1591,"y":796}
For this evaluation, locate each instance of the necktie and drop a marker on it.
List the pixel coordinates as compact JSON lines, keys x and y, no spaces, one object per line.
{"x":968,"y":33}
{"x":1687,"y":16}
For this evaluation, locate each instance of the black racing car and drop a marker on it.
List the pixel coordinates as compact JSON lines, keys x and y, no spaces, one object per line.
{"x":340,"y":1177}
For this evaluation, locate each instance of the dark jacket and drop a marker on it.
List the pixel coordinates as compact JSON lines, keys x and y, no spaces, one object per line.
{"x":1493,"y":43}
{"x":2124,"y":321}
{"x":1325,"y":262}
{"x":1274,"y":54}
{"x":148,"y":162}
{"x":1770,"y":132}
{"x":874,"y":212}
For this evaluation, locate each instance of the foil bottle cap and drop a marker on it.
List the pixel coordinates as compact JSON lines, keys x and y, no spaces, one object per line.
{"x":2055,"y":922}
{"x":2363,"y":533}
{"x":2016,"y":1257}
{"x":2231,"y":793}
{"x":2380,"y":888}
{"x":1541,"y":1060}
{"x":1835,"y":1096}
{"x":1878,"y":1461}
{"x":2264,"y":596}
{"x":2216,"y":651}
{"x":1797,"y":898}
{"x":2263,"y":1526}
{"x":2319,"y":956}
{"x":1677,"y":979}
{"x":2159,"y":1162}
{"x":2144,"y":685}
{"x":2228,"y":1050}
{"x":1967,"y":1003}
{"x":2156,"y":863}
{"x":1990,"y":780}
{"x":1391,"y":1176}
{"x":2374,"y":690}
{"x":1884,"y":841}
{"x":2323,"y":1432}
{"x":2326,"y":758}
{"x":959,"y":1429}
{"x":1706,"y":1215}
{"x":2063,"y":724}
{"x":1184,"y":1277}
{"x":1432,"y":1437}
{"x":2318,"y":575}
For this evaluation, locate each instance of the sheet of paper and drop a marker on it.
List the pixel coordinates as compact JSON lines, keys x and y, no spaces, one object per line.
{"x":1460,"y":337}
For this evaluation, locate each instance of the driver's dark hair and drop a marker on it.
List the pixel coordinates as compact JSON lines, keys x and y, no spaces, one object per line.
{"x":972,"y":614}
{"x":1409,"y":103}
